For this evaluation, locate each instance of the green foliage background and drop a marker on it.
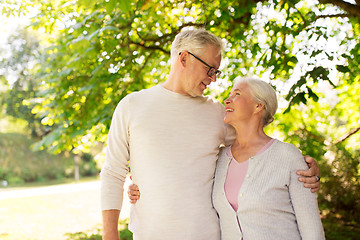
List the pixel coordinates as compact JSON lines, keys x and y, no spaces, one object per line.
{"x":93,"y":53}
{"x":19,"y":164}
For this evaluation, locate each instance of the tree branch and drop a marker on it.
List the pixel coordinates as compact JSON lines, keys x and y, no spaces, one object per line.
{"x":352,"y":9}
{"x":149,"y":47}
{"x":342,"y":15}
{"x":171,"y":34}
{"x":346,"y":136}
{"x":165,"y":36}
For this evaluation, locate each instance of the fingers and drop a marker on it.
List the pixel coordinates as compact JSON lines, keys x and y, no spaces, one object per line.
{"x":312,"y":164}
{"x":309,"y":159}
{"x":305,"y":173}
{"x":310,"y":177}
{"x":311,"y":172}
{"x":133,"y":193}
{"x":133,"y":187}
{"x":133,"y":196}
{"x":311,"y":182}
{"x":314,"y":187}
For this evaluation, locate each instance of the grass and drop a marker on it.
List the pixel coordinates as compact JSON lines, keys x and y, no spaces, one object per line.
{"x":54,"y":182}
{"x":69,"y":215}
{"x":66,"y":215}
{"x":96,"y":234}
{"x":9,"y":124}
{"x":76,"y":216}
{"x":73,"y":215}
{"x":18,"y":163}
{"x":49,"y":216}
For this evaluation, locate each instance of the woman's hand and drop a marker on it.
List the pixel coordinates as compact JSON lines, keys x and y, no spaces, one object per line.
{"x":133,"y":193}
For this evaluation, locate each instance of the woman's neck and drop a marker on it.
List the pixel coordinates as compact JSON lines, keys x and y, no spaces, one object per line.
{"x":250,"y":134}
{"x":250,"y":139}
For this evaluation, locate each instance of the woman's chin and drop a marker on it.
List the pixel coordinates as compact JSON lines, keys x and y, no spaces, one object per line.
{"x":227,"y":121}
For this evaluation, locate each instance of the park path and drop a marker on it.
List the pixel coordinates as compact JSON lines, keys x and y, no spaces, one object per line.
{"x":41,"y":191}
{"x":46,"y":213}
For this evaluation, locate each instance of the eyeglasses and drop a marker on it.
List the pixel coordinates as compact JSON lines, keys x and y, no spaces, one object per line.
{"x":212,"y":71}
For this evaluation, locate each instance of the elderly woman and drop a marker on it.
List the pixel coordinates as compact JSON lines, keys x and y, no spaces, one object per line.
{"x":256,"y":192}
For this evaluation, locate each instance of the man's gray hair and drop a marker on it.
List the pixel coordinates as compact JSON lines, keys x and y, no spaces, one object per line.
{"x":194,"y":40}
{"x":263,"y":93}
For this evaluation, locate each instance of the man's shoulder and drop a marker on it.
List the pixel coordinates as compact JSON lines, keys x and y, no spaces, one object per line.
{"x":211,"y":101}
{"x":140,"y":93}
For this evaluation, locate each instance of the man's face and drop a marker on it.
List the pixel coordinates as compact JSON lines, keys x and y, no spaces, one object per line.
{"x":197,"y":79}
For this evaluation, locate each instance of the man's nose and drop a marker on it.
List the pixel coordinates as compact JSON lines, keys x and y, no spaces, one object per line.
{"x":213,"y":78}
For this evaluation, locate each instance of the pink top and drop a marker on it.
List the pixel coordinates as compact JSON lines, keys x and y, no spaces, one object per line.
{"x":235,"y":176}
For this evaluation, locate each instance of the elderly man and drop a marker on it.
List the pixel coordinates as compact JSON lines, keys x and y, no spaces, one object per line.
{"x":171,"y":136}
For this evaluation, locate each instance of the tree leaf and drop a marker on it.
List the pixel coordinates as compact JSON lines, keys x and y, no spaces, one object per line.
{"x":342,"y":68}
{"x":124,"y":5}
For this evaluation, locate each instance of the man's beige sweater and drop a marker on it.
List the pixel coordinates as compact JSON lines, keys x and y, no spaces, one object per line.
{"x":172,"y":143}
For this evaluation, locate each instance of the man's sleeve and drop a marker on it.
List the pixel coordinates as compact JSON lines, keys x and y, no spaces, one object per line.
{"x":114,"y":171}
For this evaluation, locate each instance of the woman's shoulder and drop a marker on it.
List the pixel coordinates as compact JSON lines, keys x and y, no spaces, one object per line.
{"x":224,"y":155}
{"x":285,"y":147}
{"x":289,"y":152}
{"x":224,"y":152}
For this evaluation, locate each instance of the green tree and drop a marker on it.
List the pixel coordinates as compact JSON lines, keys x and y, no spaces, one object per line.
{"x":100,"y":51}
{"x":327,"y":130}
{"x":20,"y":60}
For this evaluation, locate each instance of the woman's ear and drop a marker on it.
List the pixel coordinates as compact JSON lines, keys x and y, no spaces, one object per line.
{"x":259,"y":107}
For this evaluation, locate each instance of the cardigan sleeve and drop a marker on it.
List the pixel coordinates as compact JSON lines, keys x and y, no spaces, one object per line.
{"x":114,"y":171}
{"x":304,"y":201}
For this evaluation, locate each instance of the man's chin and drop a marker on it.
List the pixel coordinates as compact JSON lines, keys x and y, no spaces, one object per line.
{"x":197,"y":93}
{"x":201,"y":93}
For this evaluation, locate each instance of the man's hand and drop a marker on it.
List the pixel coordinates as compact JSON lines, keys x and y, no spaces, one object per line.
{"x":311,"y":177}
{"x":133,"y":193}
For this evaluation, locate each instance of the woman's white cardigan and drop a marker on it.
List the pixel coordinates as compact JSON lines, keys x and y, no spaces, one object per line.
{"x":273,"y":204}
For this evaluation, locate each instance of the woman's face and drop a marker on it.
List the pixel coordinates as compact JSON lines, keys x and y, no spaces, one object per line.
{"x":240,"y":105}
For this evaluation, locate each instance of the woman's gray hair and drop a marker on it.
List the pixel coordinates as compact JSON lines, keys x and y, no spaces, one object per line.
{"x":194,"y":40}
{"x":263,"y":93}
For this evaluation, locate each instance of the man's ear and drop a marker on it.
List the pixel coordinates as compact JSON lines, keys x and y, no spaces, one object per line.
{"x":182,"y":58}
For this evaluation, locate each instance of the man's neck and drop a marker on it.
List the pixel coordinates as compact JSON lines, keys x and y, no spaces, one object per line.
{"x":173,"y":86}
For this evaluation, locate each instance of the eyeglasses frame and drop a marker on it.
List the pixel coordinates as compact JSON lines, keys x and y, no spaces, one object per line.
{"x":216,"y":72}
